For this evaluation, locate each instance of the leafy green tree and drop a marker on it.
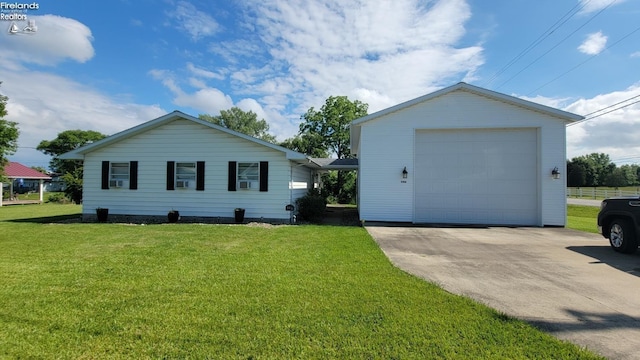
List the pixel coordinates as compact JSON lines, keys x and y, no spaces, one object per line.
{"x":617,"y":178}
{"x":8,"y":135}
{"x":332,"y":123}
{"x":308,"y":143}
{"x":330,"y":128}
{"x":71,"y":170}
{"x":576,"y":174}
{"x":597,"y":166}
{"x":631,"y":174}
{"x":242,"y":121}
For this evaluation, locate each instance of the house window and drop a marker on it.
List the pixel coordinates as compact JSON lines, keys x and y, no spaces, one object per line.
{"x":185,"y":175}
{"x":248,"y":175}
{"x":119,"y":176}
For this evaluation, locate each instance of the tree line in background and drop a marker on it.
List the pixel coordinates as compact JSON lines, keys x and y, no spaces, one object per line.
{"x":597,"y":169}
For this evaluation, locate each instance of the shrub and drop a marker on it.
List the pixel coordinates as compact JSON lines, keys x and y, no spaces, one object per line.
{"x":59,"y":198}
{"x":311,"y":206}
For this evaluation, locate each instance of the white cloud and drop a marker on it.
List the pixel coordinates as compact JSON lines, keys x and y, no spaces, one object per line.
{"x":597,"y":5}
{"x":343,"y":48}
{"x":301,"y":52}
{"x":635,"y":54}
{"x":593,"y":44}
{"x":57,"y":39}
{"x":615,"y":133}
{"x":203,"y":72}
{"x":196,"y":23}
{"x":557,"y":103}
{"x":46,"y":104}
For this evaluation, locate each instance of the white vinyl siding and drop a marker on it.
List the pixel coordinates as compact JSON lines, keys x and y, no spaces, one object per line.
{"x":182,"y":141}
{"x":387,"y":145}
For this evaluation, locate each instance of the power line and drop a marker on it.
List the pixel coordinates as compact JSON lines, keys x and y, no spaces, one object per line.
{"x":540,"y":38}
{"x":604,"y":113}
{"x":583,"y":62}
{"x":556,"y":45}
{"x":610,"y":106}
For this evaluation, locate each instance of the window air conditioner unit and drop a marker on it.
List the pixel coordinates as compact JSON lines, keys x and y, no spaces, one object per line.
{"x":116,"y":183}
{"x":182,"y":183}
{"x":245,"y":184}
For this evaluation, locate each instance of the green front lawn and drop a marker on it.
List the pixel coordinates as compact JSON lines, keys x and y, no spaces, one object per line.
{"x":87,"y":290}
{"x":583,"y":218}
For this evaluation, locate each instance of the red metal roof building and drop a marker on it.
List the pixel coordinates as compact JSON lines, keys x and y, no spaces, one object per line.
{"x":14,"y":170}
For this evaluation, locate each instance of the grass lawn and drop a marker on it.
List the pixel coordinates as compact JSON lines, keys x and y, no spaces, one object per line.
{"x":583,"y":218}
{"x":88,"y":290}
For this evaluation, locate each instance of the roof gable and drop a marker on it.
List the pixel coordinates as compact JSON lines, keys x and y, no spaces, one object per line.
{"x":165,"y":119}
{"x":492,"y":95}
{"x":15,"y":170}
{"x":564,"y":115}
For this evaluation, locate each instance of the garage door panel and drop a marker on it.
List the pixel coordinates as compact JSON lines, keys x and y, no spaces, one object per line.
{"x":476,"y":176}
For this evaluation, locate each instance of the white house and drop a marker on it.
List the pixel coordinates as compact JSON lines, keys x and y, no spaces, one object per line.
{"x":463,"y":155}
{"x":179,"y":162}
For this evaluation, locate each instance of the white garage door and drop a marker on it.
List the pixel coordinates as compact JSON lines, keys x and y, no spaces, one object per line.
{"x":476,"y":177}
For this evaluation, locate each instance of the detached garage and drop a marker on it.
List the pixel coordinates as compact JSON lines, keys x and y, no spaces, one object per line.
{"x":463,"y":155}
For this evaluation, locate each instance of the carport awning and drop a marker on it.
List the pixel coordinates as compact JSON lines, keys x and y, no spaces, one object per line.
{"x":332,"y":164}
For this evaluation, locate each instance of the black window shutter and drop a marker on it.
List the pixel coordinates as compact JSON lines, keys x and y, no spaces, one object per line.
{"x":105,"y":175}
{"x":171,"y":169}
{"x":232,"y":176}
{"x":200,"y":176}
{"x":264,"y":176}
{"x":133,"y":175}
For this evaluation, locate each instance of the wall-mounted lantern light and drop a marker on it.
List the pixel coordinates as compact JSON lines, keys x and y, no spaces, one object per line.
{"x":405,"y":173}
{"x":555,"y":173}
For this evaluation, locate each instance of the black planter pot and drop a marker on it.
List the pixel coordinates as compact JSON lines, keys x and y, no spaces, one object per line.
{"x":239,"y":215}
{"x":102,"y":214}
{"x":173,"y":216}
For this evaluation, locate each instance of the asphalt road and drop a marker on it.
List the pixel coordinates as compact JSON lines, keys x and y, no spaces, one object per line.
{"x":566,"y":282}
{"x":583,"y":202}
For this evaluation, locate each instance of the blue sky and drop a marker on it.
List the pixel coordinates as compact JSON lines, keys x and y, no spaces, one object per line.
{"x":111,"y":65}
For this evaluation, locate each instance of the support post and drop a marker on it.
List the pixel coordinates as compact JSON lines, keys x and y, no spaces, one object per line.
{"x":41,"y":190}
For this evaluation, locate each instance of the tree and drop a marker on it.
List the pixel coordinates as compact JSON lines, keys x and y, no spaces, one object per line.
{"x":8,"y":135}
{"x":330,"y":128}
{"x":576,"y":174}
{"x":308,"y":143}
{"x":617,"y":178}
{"x":597,"y":168}
{"x":332,"y":123}
{"x":242,"y":121}
{"x":71,"y":170}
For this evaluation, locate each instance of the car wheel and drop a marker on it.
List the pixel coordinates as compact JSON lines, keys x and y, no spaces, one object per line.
{"x":622,"y":236}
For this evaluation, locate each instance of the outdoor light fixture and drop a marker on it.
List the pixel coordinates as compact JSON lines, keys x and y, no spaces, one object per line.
{"x":555,"y":173}
{"x":405,"y":173}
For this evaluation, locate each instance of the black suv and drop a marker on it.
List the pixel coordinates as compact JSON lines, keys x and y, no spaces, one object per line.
{"x":619,"y":221}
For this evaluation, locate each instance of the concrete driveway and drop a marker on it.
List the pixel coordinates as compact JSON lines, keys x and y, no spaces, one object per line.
{"x":568,"y":283}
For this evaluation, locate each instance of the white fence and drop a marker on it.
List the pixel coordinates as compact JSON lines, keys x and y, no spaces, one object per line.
{"x":600,"y":193}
